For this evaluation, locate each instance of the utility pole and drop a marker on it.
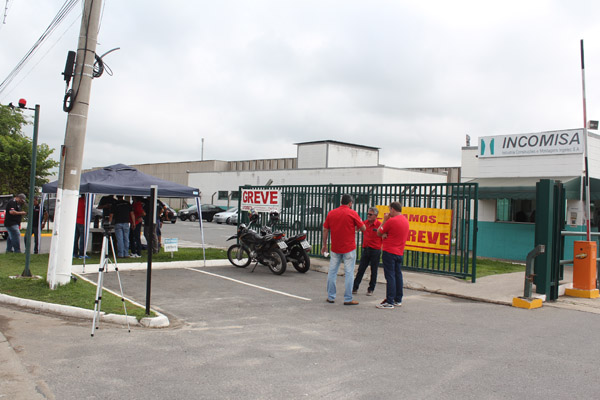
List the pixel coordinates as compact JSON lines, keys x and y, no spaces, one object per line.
{"x":63,"y":234}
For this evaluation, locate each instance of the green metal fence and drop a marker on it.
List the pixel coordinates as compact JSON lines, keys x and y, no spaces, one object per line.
{"x":305,"y":208}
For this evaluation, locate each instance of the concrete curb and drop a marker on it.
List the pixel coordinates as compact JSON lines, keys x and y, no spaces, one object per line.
{"x":67,"y":311}
{"x":93,"y":268}
{"x":160,"y":321}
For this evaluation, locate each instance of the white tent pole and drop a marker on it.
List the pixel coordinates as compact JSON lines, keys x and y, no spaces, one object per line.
{"x":199,"y":206}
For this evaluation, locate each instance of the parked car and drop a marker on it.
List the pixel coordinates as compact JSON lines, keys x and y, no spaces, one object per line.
{"x":208,"y":212}
{"x":3,"y":201}
{"x":234,"y":219}
{"x":225,"y":216}
{"x":190,"y":213}
{"x":313,"y":218}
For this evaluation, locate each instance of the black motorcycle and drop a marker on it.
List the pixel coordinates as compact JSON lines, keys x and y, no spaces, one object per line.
{"x":297,"y":246}
{"x":253,"y":247}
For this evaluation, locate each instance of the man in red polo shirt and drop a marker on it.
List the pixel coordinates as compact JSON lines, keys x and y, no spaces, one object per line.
{"x":79,"y":245}
{"x":394,"y":231}
{"x":342,"y":222}
{"x":371,"y":251}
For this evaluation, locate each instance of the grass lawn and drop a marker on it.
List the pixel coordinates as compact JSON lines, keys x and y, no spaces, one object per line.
{"x":487,"y":267}
{"x":78,"y":293}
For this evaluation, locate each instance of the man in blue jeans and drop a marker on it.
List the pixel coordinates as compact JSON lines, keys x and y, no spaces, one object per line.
{"x":122,"y":217}
{"x":394,"y":231}
{"x":79,"y":243}
{"x":342,"y":222}
{"x":12,"y":221}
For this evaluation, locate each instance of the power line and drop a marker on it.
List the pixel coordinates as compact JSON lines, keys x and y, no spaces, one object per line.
{"x":60,"y":16}
{"x":27,"y":73}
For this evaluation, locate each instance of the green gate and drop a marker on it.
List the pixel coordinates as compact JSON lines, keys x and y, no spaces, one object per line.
{"x":305,"y":208}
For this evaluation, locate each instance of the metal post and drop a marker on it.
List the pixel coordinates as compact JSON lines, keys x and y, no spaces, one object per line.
{"x":585,"y":148}
{"x":26,"y":271}
{"x":539,"y":249}
{"x":150,"y":240}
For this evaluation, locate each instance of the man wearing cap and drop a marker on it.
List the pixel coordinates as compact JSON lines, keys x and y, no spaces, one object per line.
{"x":12,"y":222}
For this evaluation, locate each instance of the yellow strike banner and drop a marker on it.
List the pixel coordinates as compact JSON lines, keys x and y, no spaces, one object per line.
{"x":430,"y":228}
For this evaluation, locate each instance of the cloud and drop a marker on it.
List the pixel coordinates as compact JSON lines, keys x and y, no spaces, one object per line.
{"x":252,"y":78}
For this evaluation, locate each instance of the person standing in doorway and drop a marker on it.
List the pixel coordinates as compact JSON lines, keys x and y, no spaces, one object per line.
{"x":12,"y":223}
{"x":342,"y":223}
{"x":394,"y":231}
{"x":371,"y":251}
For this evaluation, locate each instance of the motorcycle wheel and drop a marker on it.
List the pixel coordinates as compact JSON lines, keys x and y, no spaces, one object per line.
{"x":276,"y":261}
{"x":239,"y":256}
{"x":303,"y":265}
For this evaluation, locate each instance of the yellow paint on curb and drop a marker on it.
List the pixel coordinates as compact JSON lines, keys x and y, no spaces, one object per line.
{"x":527,"y":304}
{"x":582,"y":293}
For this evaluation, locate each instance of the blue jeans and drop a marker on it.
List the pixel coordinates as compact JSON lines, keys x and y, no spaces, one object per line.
{"x":36,"y":239}
{"x":136,"y":242}
{"x":392,"y":264}
{"x":349,"y":260}
{"x":370,"y":256}
{"x":79,"y":244}
{"x":13,"y":243}
{"x":122,"y":234}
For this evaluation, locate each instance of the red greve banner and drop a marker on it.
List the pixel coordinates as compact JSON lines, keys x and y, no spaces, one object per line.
{"x":261,"y":200}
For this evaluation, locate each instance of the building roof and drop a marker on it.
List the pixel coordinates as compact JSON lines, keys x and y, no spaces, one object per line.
{"x":340,"y":143}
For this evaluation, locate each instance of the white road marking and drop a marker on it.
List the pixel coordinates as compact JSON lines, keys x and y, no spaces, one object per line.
{"x":249,"y":284}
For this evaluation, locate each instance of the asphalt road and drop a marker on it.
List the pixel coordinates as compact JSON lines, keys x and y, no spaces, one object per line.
{"x":238,"y":334}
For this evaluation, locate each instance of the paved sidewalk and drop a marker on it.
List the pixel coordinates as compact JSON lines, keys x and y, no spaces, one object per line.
{"x":498,"y":289}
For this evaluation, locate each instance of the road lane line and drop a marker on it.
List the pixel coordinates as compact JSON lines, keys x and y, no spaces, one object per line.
{"x":249,"y":284}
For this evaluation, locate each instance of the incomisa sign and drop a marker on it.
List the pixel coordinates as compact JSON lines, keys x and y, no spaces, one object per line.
{"x":532,"y":144}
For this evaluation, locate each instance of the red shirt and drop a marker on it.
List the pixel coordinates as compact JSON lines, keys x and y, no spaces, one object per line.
{"x":370,"y":238}
{"x":342,"y":223}
{"x":397,"y":233}
{"x":80,"y":211}
{"x":138,"y":211}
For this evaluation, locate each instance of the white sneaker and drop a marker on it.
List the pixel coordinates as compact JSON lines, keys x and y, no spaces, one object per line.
{"x":385,"y":305}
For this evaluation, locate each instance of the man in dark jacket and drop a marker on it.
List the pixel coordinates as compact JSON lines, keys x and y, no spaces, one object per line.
{"x":12,"y":222}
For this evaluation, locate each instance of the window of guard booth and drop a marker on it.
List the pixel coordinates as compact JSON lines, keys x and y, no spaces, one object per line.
{"x":223,"y":194}
{"x":235,"y":195}
{"x":515,"y":210}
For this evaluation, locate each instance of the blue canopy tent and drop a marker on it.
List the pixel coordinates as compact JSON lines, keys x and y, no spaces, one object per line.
{"x":121,"y":179}
{"x":127,"y":181}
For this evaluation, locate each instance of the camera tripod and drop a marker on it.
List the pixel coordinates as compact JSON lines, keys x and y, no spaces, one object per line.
{"x":104,"y":264}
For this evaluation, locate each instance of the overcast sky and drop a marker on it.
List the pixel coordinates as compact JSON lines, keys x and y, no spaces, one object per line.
{"x":254,"y":77}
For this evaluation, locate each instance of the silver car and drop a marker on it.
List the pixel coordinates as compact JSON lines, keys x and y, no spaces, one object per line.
{"x":225,"y":216}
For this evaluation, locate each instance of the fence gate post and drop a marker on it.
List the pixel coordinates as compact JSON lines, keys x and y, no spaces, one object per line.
{"x":548,"y":223}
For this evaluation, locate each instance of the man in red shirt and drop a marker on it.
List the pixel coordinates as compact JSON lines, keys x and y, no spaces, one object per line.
{"x":371,"y":251}
{"x":79,"y":245}
{"x":342,"y":222}
{"x":394,"y":231}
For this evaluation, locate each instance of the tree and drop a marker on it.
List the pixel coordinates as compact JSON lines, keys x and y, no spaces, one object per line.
{"x":15,"y":154}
